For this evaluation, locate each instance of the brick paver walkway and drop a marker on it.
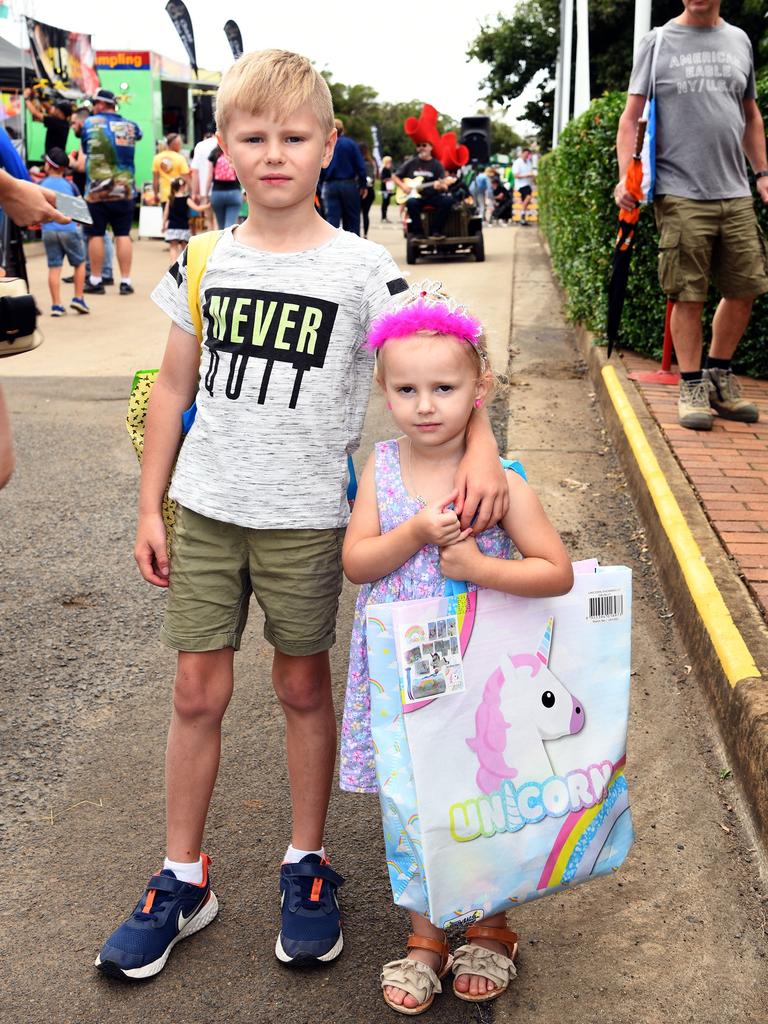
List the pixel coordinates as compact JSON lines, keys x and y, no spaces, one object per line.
{"x":728,"y":467}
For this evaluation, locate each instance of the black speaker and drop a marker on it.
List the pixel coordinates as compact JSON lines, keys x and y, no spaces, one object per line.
{"x":476,"y":136}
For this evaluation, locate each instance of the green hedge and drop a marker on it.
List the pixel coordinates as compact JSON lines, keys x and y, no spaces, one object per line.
{"x":579,"y":218}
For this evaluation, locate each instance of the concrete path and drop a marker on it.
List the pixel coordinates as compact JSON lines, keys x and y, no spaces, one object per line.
{"x":678,"y":935}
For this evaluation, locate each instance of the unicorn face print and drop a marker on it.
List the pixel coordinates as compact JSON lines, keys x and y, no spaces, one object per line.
{"x":523,"y":705}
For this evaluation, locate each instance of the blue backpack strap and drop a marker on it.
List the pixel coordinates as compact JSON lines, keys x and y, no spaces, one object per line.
{"x":516,"y":467}
{"x":454,"y":587}
{"x":352,"y":485}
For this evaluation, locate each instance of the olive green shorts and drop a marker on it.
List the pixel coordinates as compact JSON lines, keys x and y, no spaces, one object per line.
{"x":295,"y":576}
{"x":702,"y":239}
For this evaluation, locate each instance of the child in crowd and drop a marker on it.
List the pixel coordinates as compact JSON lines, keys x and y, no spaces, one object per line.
{"x":176,"y":215}
{"x":62,"y":240}
{"x":260,"y":483}
{"x":404,"y":539}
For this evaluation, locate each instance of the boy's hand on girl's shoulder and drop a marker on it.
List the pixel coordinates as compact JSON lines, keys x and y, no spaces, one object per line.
{"x":459,"y":560}
{"x":481,"y":505}
{"x":438,"y":524}
{"x":151,"y":550}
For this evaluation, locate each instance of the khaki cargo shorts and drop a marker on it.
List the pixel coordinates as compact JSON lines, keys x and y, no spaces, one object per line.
{"x":295,"y":576}
{"x":702,"y":239}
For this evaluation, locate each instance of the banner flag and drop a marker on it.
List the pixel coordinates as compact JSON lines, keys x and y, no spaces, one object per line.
{"x":232,"y":32}
{"x":179,"y":15}
{"x":63,"y":59}
{"x":376,"y":145}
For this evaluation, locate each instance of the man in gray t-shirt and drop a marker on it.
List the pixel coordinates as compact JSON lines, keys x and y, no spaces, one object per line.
{"x":706,"y":121}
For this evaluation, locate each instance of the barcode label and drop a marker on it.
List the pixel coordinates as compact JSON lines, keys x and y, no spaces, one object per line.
{"x":606,"y":605}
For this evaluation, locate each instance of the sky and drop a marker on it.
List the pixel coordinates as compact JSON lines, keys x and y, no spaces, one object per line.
{"x":413,"y":51}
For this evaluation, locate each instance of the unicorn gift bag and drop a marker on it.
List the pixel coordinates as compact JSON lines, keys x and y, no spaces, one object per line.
{"x":499,"y":726}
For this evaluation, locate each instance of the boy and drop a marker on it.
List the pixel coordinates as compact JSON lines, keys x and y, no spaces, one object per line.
{"x":62,"y":240}
{"x":260,"y":481}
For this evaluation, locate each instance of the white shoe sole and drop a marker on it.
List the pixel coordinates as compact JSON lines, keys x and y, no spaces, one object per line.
{"x":284,"y":958}
{"x":206,"y":914}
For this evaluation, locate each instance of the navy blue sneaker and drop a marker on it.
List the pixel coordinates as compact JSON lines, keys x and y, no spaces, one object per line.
{"x":311,"y":923}
{"x":168,"y":911}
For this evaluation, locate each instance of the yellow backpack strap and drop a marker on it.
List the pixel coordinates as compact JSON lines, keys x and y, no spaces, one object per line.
{"x":199,"y":249}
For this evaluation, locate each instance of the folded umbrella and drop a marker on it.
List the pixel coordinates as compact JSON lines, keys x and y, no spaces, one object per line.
{"x":622,"y":253}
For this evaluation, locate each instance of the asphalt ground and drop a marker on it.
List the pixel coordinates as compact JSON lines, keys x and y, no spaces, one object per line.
{"x":678,"y":935}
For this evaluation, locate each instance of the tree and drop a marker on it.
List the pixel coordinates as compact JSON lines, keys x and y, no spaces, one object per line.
{"x":359,"y":107}
{"x":521,"y":51}
{"x":504,"y":139}
{"x":355,"y":105}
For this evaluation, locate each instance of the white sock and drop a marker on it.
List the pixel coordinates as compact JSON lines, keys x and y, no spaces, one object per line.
{"x":293,"y":856}
{"x":125,"y":280}
{"x":186,"y":871}
{"x":94,"y":280}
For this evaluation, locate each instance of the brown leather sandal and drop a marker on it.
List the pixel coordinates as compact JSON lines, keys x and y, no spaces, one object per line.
{"x":494,"y":967}
{"x":416,"y":978}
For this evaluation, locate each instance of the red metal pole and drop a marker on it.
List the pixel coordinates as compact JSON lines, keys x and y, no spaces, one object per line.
{"x":666,"y":356}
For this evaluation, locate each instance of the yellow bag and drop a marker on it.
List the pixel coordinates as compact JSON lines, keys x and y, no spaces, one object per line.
{"x":198,"y":250}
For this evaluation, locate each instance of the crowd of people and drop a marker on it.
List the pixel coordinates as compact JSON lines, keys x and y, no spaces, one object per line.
{"x":290,"y":293}
{"x":204,"y":191}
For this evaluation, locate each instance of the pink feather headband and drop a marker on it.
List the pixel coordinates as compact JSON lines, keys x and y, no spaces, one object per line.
{"x":431,"y":311}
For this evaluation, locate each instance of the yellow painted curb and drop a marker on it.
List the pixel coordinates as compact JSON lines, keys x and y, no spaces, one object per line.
{"x":731,"y":649}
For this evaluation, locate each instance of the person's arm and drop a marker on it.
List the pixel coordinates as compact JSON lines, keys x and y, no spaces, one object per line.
{"x":399,"y":175}
{"x":77,"y":161}
{"x":26,"y":203}
{"x":196,"y":184}
{"x":35,"y":110}
{"x":441,"y":181}
{"x":480,"y":478}
{"x":7,"y":458}
{"x":362,"y":173}
{"x":156,"y":184}
{"x":368,"y":554}
{"x":198,"y":207}
{"x":166,"y":215}
{"x":625,"y":141}
{"x":545,"y":569}
{"x":754,"y":145}
{"x":172,"y":393}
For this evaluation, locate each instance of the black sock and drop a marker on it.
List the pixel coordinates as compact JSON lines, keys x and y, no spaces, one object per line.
{"x":693,"y":375}
{"x":718,"y":364}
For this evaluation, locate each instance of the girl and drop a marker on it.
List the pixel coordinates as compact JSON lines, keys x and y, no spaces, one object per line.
{"x":403,"y":541}
{"x":176,"y":217}
{"x":387,"y":186}
{"x":224,"y":189}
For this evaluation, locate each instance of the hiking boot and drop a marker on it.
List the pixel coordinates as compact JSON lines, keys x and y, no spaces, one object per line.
{"x":311,"y":924}
{"x":693,"y":410}
{"x":168,"y":911}
{"x":725,"y":398}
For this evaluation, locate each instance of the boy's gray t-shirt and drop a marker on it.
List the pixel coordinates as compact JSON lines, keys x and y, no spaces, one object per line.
{"x":285,"y":377}
{"x":703,"y":75}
